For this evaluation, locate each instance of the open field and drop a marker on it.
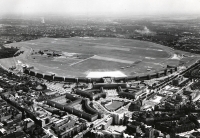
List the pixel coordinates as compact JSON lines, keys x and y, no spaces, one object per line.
{"x":82,"y":55}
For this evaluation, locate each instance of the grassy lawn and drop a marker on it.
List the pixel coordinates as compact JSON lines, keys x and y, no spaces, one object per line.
{"x":114,"y":105}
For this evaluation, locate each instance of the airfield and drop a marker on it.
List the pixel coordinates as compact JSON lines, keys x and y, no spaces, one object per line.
{"x":95,"y":57}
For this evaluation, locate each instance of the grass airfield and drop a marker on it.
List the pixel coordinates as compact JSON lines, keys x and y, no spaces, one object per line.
{"x":130,"y":57}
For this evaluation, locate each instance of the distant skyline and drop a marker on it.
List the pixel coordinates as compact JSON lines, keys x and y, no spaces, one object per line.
{"x":102,"y":7}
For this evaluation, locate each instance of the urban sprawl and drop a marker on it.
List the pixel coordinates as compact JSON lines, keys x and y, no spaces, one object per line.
{"x":164,"y":104}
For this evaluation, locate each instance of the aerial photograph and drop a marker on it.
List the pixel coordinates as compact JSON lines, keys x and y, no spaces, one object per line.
{"x":99,"y":68}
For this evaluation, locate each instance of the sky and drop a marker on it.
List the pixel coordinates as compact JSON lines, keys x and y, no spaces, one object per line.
{"x":103,"y":7}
